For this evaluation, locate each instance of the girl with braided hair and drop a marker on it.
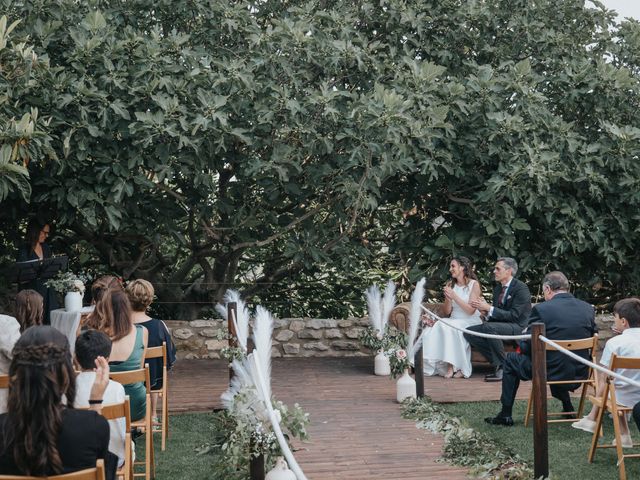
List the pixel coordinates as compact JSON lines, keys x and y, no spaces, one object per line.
{"x":41,"y":435}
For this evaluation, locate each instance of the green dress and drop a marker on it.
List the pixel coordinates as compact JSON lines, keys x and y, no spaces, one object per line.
{"x":137,"y":391}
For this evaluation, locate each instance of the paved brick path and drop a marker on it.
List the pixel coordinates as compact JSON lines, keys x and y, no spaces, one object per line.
{"x":356,"y":429}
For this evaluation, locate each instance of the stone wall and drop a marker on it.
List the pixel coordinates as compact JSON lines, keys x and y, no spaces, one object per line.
{"x":298,"y":337}
{"x":292,"y":337}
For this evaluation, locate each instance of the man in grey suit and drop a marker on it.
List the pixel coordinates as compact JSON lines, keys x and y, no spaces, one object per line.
{"x":507,"y":316}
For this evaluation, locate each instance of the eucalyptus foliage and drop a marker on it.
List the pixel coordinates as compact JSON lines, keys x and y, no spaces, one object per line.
{"x":205,"y":143}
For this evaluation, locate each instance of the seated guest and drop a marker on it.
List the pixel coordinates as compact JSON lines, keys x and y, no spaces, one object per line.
{"x":626,"y":315}
{"x":39,"y":435}
{"x":129,"y":341}
{"x":140,"y":293}
{"x":565,"y":318}
{"x":9,"y":335}
{"x":29,"y":307}
{"x":99,"y":319}
{"x":90,"y":345}
{"x":507,"y":316}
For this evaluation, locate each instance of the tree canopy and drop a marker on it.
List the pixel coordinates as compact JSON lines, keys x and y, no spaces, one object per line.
{"x":300,"y":149}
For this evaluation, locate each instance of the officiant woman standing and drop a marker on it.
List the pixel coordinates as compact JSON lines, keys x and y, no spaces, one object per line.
{"x":36,"y":248}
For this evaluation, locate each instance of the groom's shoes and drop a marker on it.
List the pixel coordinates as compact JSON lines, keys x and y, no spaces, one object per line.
{"x":494,"y":377}
{"x":500,"y":420}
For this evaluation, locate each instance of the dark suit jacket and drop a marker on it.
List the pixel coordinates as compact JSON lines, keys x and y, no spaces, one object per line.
{"x":516,"y":307}
{"x":565,"y":318}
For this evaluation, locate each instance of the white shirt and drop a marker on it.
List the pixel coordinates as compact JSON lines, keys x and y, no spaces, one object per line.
{"x":627,"y":344}
{"x":9,"y":335}
{"x":113,"y":394}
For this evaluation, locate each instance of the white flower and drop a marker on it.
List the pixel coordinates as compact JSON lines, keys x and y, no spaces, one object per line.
{"x":379,"y":335}
{"x":78,"y":286}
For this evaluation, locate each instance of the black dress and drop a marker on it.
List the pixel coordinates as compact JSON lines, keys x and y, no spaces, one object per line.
{"x":158,"y":333}
{"x":83,"y":438}
{"x":49,"y":295}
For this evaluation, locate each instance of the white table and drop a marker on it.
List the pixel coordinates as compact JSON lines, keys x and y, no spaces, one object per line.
{"x":68,"y":323}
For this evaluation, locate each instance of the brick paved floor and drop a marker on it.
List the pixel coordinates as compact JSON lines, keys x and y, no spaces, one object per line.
{"x":356,"y":430}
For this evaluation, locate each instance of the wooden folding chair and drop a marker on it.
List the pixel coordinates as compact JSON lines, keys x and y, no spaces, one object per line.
{"x":96,"y":473}
{"x":590,"y":343}
{"x":117,"y":411}
{"x":4,"y":380}
{"x":609,"y":402}
{"x":163,"y":425}
{"x":134,"y":376}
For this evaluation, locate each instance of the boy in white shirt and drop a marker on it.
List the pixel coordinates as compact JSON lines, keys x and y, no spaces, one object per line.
{"x":90,"y":345}
{"x":626,"y":315}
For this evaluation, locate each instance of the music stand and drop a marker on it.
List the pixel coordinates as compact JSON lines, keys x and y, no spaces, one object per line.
{"x":23,"y":272}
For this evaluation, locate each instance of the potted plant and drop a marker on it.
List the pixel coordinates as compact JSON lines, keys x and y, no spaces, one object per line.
{"x":71,"y":286}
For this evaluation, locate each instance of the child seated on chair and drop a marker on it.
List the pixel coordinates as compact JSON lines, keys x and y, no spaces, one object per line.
{"x":90,"y":345}
{"x":626,"y":314}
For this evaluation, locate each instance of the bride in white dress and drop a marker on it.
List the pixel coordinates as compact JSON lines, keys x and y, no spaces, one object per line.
{"x":446,"y":352}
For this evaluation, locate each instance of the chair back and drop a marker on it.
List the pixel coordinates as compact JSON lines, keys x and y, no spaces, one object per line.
{"x":632,"y":363}
{"x":116,"y":411}
{"x":590,"y":343}
{"x":157,"y":352}
{"x":96,"y":473}
{"x":4,"y":381}
{"x":132,"y":376}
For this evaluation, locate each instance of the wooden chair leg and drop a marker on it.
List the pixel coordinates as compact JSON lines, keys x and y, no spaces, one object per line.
{"x":165,"y":420}
{"x":596,"y":433}
{"x":618,"y":436}
{"x":529,"y":408}
{"x":583,"y":396}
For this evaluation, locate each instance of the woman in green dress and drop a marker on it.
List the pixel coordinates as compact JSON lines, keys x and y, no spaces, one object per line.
{"x":129,"y":343}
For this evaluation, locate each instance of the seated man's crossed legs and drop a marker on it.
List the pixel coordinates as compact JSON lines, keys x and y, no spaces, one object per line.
{"x":492,"y":349}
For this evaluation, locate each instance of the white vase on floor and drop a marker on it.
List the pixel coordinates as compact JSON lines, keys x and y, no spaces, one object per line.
{"x":73,"y":301}
{"x":405,"y":387}
{"x":381,"y":365}
{"x":280,"y":471}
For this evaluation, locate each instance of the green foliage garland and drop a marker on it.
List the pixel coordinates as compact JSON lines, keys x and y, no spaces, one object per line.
{"x":465,"y":447}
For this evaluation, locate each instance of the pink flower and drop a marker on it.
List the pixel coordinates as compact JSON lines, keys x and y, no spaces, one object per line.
{"x":401,"y":354}
{"x":379,"y":335}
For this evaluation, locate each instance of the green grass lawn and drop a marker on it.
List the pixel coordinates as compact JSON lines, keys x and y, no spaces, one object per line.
{"x":568,"y":447}
{"x":180,"y":460}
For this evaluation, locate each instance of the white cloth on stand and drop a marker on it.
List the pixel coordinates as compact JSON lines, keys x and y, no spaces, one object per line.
{"x":443,"y":345}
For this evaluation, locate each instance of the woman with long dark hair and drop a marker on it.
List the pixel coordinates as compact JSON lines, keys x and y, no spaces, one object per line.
{"x":36,"y":248}
{"x":40,"y":435}
{"x":446,"y":352}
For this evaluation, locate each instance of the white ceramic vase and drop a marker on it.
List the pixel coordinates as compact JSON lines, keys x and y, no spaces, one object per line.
{"x":280,"y":471}
{"x":381,"y":366}
{"x":73,"y":301}
{"x":405,"y":387}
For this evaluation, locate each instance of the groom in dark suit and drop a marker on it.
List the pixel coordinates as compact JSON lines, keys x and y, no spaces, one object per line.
{"x":507,"y":316}
{"x":565,"y":318}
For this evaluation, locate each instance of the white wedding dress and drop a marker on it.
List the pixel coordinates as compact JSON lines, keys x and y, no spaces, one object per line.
{"x":443,"y":344}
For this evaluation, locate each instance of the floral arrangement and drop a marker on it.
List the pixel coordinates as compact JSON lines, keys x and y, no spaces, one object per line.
{"x":65,"y":282}
{"x":372,"y":338}
{"x":253,"y":422}
{"x":243,"y":433}
{"x":399,"y":361}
